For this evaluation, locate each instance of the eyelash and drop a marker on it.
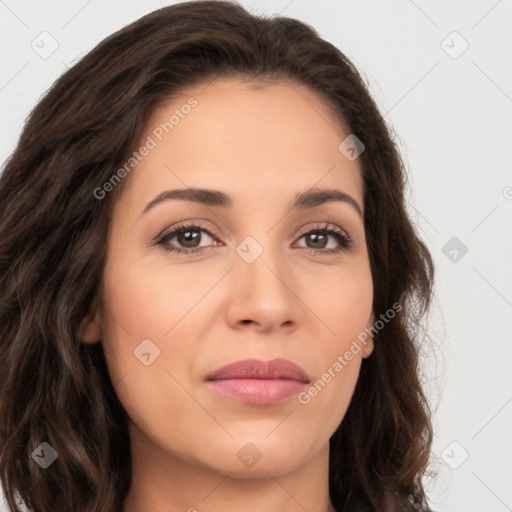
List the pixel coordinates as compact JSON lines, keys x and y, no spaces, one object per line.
{"x":344,"y":240}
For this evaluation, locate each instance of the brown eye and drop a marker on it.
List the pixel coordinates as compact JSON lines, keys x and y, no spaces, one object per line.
{"x":187,"y":239}
{"x":317,"y":240}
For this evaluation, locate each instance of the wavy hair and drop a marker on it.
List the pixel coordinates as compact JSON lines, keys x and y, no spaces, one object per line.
{"x":53,"y":232}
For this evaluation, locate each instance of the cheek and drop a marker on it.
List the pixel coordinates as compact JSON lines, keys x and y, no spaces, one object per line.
{"x":344,"y":305}
{"x":146,"y":301}
{"x":146,"y":304}
{"x":152,"y":387}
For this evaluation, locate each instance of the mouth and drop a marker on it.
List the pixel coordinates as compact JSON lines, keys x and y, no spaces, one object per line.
{"x":259,"y":382}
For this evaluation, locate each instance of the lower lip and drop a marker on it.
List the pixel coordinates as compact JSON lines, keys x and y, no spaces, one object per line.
{"x":258,"y":391}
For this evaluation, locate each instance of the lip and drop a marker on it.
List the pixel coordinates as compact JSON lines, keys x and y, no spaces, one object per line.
{"x":259,"y":382}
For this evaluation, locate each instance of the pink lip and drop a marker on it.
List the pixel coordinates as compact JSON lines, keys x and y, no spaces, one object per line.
{"x":259,"y":382}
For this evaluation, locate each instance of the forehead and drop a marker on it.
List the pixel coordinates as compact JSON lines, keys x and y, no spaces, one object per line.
{"x":245,"y":138}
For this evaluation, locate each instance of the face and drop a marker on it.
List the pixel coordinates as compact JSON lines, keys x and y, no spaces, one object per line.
{"x":261,"y":279}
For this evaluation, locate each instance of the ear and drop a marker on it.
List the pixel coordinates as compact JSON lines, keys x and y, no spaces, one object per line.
{"x":90,"y":328}
{"x":368,"y":346}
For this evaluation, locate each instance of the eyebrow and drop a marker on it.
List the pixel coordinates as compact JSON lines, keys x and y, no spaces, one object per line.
{"x":209,"y":197}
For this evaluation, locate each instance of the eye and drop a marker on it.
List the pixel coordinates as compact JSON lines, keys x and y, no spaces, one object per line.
{"x":319,"y":236}
{"x":189,"y":236}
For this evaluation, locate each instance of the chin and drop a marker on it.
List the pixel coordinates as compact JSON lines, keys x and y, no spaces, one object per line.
{"x":258,"y":458}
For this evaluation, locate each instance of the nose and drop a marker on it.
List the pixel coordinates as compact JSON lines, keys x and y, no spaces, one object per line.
{"x":264,"y":294}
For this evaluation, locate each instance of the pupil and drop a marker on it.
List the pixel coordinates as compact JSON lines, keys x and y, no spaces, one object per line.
{"x":318,"y":238}
{"x":185,"y":237}
{"x":188,"y":237}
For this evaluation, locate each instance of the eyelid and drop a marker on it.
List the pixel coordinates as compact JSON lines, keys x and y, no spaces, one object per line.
{"x":191,"y":223}
{"x":319,"y":226}
{"x":344,"y":240}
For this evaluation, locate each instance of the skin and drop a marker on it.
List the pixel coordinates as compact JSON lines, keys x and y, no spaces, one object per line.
{"x":261,"y":146}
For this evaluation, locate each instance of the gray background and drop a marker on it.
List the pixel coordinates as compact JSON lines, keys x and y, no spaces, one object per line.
{"x":452,"y":114}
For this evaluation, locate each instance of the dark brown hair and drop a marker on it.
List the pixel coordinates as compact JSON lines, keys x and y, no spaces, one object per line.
{"x":53,"y":232}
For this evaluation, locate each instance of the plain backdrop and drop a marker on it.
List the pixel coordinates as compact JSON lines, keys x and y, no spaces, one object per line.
{"x":440,"y":72}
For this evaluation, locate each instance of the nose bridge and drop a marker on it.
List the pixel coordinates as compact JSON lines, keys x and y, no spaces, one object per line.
{"x":260,"y":259}
{"x":263,"y":280}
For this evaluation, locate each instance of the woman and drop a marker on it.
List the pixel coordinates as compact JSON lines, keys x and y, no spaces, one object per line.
{"x":210,"y":286}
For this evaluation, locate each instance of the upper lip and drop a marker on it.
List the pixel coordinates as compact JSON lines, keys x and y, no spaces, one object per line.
{"x":258,"y":369}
